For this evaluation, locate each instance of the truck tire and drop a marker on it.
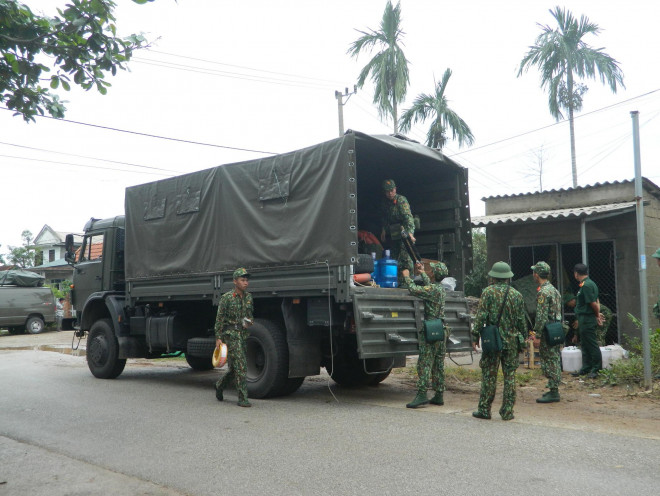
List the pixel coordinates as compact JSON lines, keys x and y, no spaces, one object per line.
{"x":34,"y":325}
{"x":200,"y":363}
{"x":103,"y":351}
{"x":200,"y":347}
{"x":349,"y":370}
{"x":364,"y":264}
{"x":267,"y":360}
{"x":292,"y":385}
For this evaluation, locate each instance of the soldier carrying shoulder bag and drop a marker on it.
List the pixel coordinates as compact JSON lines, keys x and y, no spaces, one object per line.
{"x":491,"y":339}
{"x":553,"y":333}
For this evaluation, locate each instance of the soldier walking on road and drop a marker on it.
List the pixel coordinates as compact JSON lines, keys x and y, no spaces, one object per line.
{"x":431,"y":361}
{"x":234,"y":317}
{"x":587,"y":310}
{"x":512,"y":325}
{"x":548,"y":309}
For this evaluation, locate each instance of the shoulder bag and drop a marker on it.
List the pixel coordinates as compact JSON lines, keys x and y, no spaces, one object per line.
{"x":491,"y":339}
{"x":553,"y":333}
{"x":434,"y":330}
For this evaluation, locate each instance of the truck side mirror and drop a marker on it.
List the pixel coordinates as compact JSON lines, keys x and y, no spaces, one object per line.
{"x":70,"y":254}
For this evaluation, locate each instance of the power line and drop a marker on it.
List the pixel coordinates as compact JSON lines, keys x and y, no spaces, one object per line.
{"x":137,"y":133}
{"x":83,"y":165}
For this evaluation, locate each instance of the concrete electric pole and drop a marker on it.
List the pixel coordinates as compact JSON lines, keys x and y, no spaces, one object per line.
{"x":340,"y":106}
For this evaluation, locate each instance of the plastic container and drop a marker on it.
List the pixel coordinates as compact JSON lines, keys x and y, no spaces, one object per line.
{"x":571,"y":359}
{"x":388,"y":271}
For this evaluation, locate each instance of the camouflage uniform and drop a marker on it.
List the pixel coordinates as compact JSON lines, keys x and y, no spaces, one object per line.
{"x":512,"y":324}
{"x":548,"y":309}
{"x":601,"y":330}
{"x":398,"y":211}
{"x":233,"y":308}
{"x":431,"y":361}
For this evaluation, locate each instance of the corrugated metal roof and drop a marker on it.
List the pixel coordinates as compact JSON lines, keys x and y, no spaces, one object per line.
{"x":647,"y":183}
{"x":562,"y":213}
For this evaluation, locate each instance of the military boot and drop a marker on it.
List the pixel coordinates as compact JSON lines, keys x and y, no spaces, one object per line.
{"x":244,"y":403}
{"x":218,"y":394}
{"x":551,"y":397}
{"x":419,"y":400}
{"x":437,"y":399}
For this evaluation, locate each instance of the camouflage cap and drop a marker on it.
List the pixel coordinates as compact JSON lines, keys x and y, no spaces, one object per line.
{"x":541,"y":268}
{"x":566,"y":297}
{"x":439,"y":270}
{"x":388,"y":185}
{"x":241,"y":272}
{"x":656,"y":254}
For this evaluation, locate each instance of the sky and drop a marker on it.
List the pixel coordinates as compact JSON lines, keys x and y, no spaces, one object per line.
{"x":228,"y":81}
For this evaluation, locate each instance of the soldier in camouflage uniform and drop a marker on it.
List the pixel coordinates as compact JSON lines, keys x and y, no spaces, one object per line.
{"x":431,"y":361}
{"x":512,"y":325}
{"x":234,"y":316}
{"x":656,"y":307}
{"x":396,"y":210}
{"x":548,"y":309}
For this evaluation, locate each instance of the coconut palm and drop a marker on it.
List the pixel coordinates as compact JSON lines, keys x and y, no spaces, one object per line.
{"x":562,"y":56}
{"x":436,"y":106}
{"x":389,"y":67}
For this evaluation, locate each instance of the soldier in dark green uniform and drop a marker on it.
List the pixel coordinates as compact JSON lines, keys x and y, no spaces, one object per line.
{"x":512,"y":325}
{"x":431,"y":361}
{"x":548,"y":309}
{"x":396,"y":212}
{"x":573,"y":335}
{"x":587,"y":309}
{"x":234,"y":316}
{"x":656,"y":307}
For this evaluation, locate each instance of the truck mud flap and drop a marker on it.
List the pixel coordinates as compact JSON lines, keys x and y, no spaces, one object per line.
{"x":387,"y":323}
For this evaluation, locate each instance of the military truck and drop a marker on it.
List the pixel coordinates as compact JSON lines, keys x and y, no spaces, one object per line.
{"x":148,"y":283}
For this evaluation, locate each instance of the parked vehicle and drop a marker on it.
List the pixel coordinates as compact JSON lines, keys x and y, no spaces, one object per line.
{"x":148,"y":283}
{"x":24,"y":306}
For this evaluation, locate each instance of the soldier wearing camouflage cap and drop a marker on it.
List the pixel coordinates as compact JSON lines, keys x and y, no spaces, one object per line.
{"x":431,"y":361}
{"x":548,"y":309}
{"x":235,"y":315}
{"x":656,"y":307}
{"x":395,"y":210}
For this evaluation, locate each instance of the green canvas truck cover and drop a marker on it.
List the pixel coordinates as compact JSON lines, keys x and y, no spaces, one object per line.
{"x":291,"y":209}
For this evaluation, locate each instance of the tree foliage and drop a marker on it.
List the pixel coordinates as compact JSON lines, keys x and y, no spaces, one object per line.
{"x":388,"y":69}
{"x":80,"y":43}
{"x":436,"y":107}
{"x":562,"y":56}
{"x":23,"y":256}
{"x":478,"y":278}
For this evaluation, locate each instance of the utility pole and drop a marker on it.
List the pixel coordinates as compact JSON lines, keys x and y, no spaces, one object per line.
{"x":340,"y":106}
{"x":641,"y":251}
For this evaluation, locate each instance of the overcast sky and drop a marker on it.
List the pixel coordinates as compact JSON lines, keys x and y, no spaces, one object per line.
{"x":229,"y":81}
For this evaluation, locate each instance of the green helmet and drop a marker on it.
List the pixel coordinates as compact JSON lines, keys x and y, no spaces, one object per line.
{"x":388,"y":185}
{"x":501,"y":270}
{"x":439,"y":270}
{"x":656,"y":254}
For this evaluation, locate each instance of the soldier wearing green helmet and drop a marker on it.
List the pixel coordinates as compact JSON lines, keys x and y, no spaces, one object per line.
{"x":431,"y":361}
{"x":499,"y":295}
{"x":656,"y":307}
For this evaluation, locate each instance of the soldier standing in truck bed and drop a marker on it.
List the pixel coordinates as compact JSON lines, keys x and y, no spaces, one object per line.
{"x":234,"y":316}
{"x":396,"y":212}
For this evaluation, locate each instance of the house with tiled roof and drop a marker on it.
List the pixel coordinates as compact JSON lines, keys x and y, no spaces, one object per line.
{"x":50,"y":244}
{"x":595,"y":223}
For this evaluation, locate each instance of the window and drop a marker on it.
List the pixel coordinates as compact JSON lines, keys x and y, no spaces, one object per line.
{"x":92,"y":248}
{"x":51,"y":255}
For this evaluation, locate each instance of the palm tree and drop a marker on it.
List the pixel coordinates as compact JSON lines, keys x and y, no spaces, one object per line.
{"x":444,"y":119}
{"x":389,"y":67}
{"x":561,"y":55}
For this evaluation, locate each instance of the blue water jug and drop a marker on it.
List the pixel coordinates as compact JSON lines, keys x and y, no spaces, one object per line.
{"x":388,"y":272}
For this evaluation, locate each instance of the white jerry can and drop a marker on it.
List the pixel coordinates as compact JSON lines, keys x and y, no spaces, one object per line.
{"x":571,"y":359}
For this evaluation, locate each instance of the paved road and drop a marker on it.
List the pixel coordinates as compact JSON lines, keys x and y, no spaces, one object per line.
{"x":158,"y":430}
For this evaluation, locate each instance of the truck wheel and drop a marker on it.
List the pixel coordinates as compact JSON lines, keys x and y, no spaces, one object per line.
{"x":349,"y":371}
{"x":292,"y":385}
{"x":34,"y":325}
{"x":267,"y":360}
{"x":103,"y":351}
{"x":378,"y":378}
{"x":200,"y":363}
